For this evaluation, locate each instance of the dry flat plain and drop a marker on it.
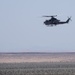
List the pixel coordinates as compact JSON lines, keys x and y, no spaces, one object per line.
{"x":36,"y":57}
{"x":37,"y":63}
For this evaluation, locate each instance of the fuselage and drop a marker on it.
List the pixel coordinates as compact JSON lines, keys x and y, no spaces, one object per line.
{"x":47,"y":22}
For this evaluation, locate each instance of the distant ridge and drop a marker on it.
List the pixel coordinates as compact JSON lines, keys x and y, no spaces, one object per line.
{"x":22,"y":57}
{"x":37,"y":52}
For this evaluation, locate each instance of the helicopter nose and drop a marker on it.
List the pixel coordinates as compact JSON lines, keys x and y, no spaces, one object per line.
{"x":45,"y":23}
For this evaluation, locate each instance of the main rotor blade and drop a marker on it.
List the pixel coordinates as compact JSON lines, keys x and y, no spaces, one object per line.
{"x":46,"y":16}
{"x":50,"y":16}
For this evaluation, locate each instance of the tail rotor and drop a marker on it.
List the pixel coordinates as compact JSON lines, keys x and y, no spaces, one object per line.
{"x":69,"y":19}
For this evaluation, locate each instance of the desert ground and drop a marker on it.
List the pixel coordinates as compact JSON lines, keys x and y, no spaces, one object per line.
{"x":37,"y":63}
{"x":36,"y":57}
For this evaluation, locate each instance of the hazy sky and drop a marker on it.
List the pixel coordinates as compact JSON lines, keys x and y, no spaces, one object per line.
{"x":22,"y":28}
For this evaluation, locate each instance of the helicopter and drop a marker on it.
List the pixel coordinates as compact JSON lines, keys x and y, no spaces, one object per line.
{"x":54,"y":21}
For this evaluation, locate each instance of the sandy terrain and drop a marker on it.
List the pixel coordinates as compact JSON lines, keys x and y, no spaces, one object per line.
{"x":36,"y":57}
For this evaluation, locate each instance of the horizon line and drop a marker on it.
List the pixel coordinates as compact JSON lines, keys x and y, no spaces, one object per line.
{"x":32,"y":52}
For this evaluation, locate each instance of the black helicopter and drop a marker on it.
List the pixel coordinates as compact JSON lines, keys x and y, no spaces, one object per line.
{"x":54,"y":21}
